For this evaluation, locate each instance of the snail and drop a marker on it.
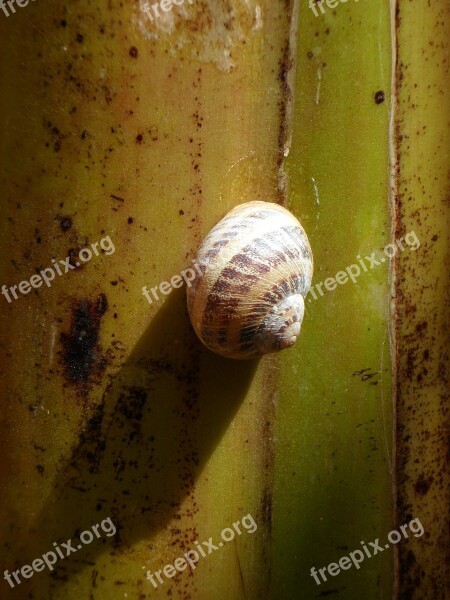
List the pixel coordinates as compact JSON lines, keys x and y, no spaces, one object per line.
{"x":256,"y":268}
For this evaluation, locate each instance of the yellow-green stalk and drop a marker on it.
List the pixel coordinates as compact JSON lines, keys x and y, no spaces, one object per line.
{"x":421,"y":153}
{"x":148,"y":133}
{"x":333,"y":461}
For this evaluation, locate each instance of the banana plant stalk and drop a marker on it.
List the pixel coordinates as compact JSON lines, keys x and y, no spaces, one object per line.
{"x":128,"y":132}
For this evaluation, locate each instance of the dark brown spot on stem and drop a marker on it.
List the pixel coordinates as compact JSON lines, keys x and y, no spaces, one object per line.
{"x":379,"y":97}
{"x":80,"y":350}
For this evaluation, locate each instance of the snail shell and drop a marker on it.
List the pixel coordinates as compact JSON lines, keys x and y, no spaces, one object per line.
{"x":256,"y":266}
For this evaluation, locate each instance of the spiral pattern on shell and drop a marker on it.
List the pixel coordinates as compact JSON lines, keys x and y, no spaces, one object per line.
{"x":256,"y":266}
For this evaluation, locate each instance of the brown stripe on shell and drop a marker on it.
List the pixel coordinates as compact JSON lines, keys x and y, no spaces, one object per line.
{"x":235,"y":283}
{"x":285,"y":287}
{"x":234,"y":222}
{"x":217,"y":246}
{"x":231,"y":278}
{"x":277,"y":292}
{"x":229,"y":232}
{"x":267,"y":247}
{"x":298,"y":236}
{"x":217,"y":305}
{"x":248,"y":265}
{"x":251,"y":327}
{"x":292,"y":252}
{"x":259,"y":248}
{"x":223,"y":299}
